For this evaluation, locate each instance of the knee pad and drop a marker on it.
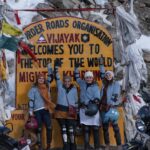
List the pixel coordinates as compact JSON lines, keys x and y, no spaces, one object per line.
{"x":71,"y":134}
{"x":64,"y":129}
{"x":71,"y":130}
{"x":64,"y":134}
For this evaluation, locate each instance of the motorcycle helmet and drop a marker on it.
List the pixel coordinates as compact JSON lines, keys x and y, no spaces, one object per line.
{"x":31,"y":123}
{"x":92,"y":109}
{"x":112,"y":115}
{"x":144,"y":113}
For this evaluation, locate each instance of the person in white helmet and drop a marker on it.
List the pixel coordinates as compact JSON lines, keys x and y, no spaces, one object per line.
{"x":89,"y":112}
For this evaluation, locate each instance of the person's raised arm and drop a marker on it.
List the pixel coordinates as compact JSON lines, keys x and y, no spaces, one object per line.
{"x":57,"y":64}
{"x":31,"y":97}
{"x":102,"y":68}
{"x":50,"y":76}
{"x":76,"y":74}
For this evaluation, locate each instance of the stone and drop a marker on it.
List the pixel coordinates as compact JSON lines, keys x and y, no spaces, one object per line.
{"x":142,"y":5}
{"x":144,"y":19}
{"x":121,"y":1}
{"x":147,"y":3}
{"x":48,"y":14}
{"x":84,"y":14}
{"x":37,"y":18}
{"x":147,"y":57}
{"x":64,"y":3}
{"x":56,"y":3}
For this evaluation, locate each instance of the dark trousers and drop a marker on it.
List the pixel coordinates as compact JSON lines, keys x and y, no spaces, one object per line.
{"x":68,"y":133}
{"x":116,"y":132}
{"x":87,"y":136}
{"x":43,"y":116}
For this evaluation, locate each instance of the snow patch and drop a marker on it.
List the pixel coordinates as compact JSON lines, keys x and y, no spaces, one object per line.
{"x":9,"y":55}
{"x":103,"y":16}
{"x":144,"y":42}
{"x":25,"y":17}
{"x":100,"y":2}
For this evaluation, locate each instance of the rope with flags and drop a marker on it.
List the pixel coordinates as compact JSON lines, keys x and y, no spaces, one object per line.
{"x":15,"y":11}
{"x":64,"y":9}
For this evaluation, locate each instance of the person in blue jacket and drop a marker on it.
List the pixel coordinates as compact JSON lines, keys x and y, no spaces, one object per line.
{"x":67,"y":95}
{"x":109,"y":95}
{"x":89,"y":94}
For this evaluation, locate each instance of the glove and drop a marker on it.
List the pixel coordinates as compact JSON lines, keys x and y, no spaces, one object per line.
{"x":77,"y":65}
{"x":82,"y":105}
{"x":96,"y":101}
{"x":31,"y":113}
{"x":101,"y":61}
{"x":49,"y":68}
{"x":114,"y":97}
{"x":97,"y":62}
{"x":57,"y":63}
{"x":50,"y":74}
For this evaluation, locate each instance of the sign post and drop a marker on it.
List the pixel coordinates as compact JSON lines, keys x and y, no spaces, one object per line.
{"x":69,"y":39}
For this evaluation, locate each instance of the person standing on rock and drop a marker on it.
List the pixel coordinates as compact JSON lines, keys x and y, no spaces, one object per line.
{"x":109,"y":94}
{"x":66,"y":108}
{"x":89,"y":113}
{"x":41,"y":106}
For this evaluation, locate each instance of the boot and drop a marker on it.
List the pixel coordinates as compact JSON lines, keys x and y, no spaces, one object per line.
{"x":39,"y":141}
{"x":96,"y":137}
{"x":40,"y":147}
{"x":73,"y":146}
{"x":66,"y":146}
{"x":98,"y":149}
{"x":48,"y":147}
{"x":86,"y":138}
{"x":107,"y":147}
{"x":119,"y":147}
{"x":106,"y":133}
{"x":88,"y":147}
{"x":117,"y":134}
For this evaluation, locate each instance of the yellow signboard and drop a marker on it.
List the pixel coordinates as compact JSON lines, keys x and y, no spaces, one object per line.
{"x":69,"y":39}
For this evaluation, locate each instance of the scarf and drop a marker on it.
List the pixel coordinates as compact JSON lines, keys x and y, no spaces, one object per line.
{"x":43,"y":89}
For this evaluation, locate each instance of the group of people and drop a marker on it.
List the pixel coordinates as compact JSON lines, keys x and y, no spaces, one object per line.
{"x":95,"y":107}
